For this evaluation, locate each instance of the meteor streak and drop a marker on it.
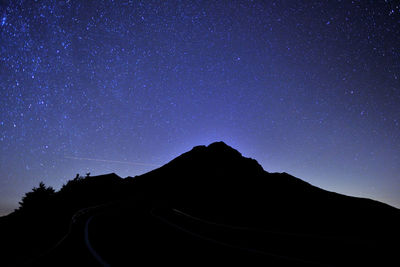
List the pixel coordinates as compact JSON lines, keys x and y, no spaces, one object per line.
{"x":113,"y":161}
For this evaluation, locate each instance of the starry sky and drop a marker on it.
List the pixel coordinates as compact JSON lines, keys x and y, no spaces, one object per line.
{"x":308,"y":87}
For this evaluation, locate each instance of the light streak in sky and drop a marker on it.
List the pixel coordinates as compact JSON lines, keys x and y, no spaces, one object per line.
{"x":113,"y":161}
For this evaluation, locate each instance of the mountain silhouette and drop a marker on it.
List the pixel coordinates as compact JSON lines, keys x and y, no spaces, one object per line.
{"x":210,"y":205}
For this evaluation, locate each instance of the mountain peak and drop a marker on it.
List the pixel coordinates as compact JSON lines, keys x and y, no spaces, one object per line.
{"x":222,"y":147}
{"x":219,"y":143}
{"x":219,"y":148}
{"x":215,"y":156}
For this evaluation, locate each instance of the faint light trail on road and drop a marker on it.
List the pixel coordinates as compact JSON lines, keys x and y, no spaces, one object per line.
{"x":113,"y":161}
{"x":94,"y":253}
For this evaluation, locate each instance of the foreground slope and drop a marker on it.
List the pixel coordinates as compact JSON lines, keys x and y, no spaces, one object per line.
{"x":221,"y":181}
{"x":209,"y":205}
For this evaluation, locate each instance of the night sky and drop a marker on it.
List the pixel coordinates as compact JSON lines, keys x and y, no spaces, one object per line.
{"x":311,"y":88}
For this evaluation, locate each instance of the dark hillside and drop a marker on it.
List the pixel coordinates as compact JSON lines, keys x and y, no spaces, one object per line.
{"x":210,"y":199}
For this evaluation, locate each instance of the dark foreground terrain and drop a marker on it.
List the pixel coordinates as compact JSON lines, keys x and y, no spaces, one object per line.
{"x":208,"y":206}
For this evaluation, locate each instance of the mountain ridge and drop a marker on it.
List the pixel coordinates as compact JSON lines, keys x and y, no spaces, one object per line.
{"x":215,"y":183}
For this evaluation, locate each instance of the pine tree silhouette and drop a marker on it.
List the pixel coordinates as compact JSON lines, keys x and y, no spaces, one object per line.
{"x":38,"y":198}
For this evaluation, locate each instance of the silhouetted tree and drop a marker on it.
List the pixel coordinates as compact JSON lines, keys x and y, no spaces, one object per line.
{"x":37,"y":198}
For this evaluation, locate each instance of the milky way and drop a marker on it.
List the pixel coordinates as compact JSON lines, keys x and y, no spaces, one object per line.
{"x":311,"y":88}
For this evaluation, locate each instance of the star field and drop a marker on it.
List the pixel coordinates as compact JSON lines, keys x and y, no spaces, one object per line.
{"x":311,"y":88}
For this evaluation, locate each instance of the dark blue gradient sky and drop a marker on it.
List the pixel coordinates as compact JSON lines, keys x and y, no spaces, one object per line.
{"x":311,"y":88}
